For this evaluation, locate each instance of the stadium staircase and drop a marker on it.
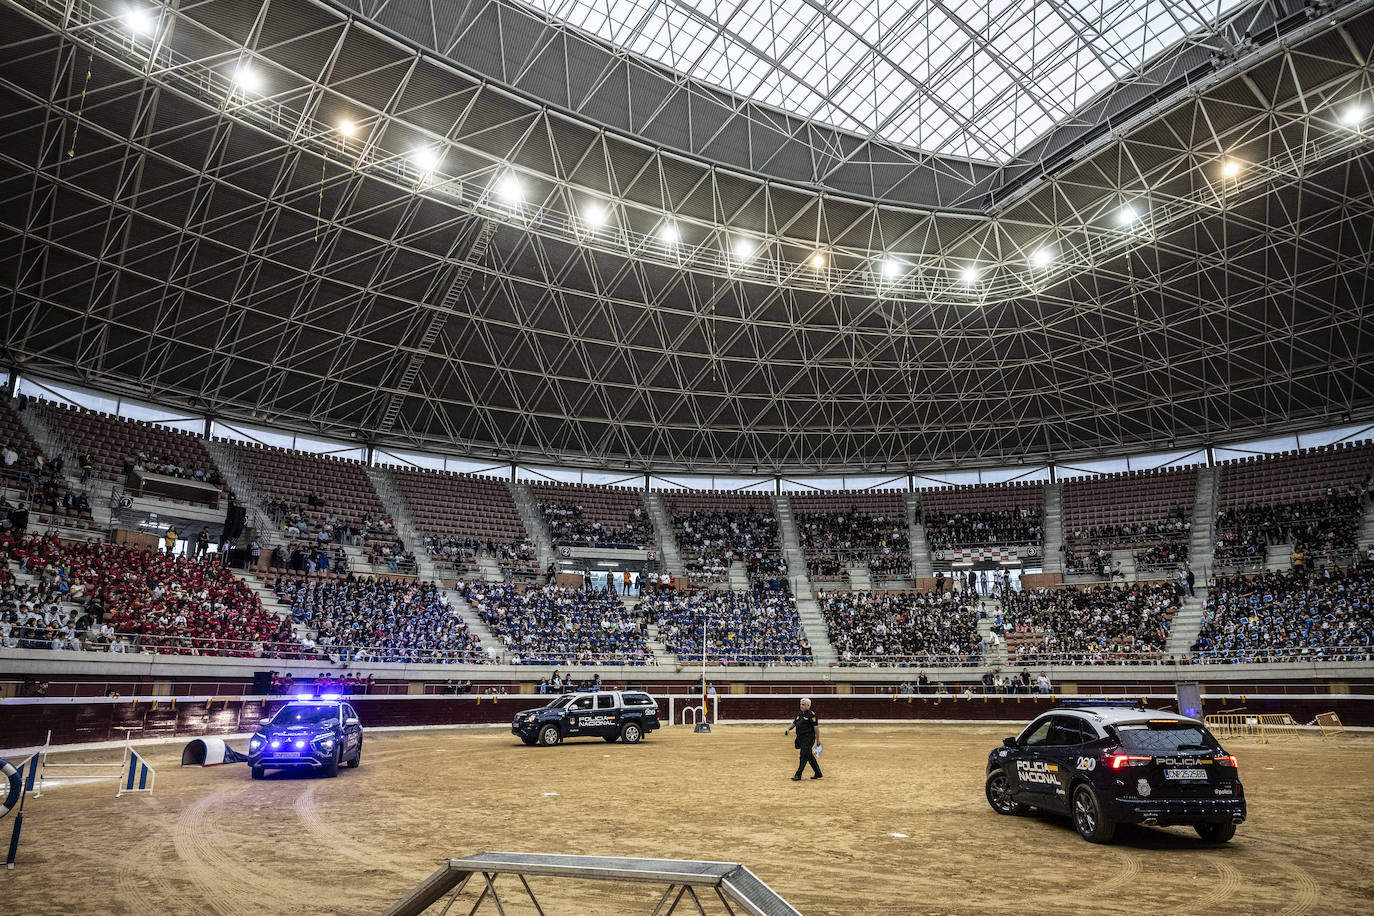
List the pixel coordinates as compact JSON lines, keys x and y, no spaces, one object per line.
{"x":272,"y":603}
{"x":921,"y":565}
{"x":996,"y":655}
{"x":491,"y":644}
{"x":1053,"y":528}
{"x":737,"y":578}
{"x":259,"y":524}
{"x":536,"y":529}
{"x":860,"y":578}
{"x":1202,"y":534}
{"x":664,"y":537}
{"x":808,"y":609}
{"x":54,"y":445}
{"x":491,"y":569}
{"x":407,"y":529}
{"x":1366,"y":529}
{"x":1187,"y":622}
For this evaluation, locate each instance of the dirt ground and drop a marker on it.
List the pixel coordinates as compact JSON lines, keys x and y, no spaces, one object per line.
{"x":213,"y":841}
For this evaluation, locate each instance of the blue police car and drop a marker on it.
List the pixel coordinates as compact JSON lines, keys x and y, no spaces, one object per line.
{"x":1107,"y":763}
{"x":625,"y":715}
{"x":308,"y":734}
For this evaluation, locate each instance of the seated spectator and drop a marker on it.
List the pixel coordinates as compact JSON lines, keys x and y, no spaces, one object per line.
{"x":1296,"y":615}
{"x":902,"y":628}
{"x":835,"y":539}
{"x":992,"y":528}
{"x":711,"y":540}
{"x":1318,"y":527}
{"x":568,"y":526}
{"x":762,"y":628}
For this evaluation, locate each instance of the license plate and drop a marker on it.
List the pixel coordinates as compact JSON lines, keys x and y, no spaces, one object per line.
{"x":1186,"y":773}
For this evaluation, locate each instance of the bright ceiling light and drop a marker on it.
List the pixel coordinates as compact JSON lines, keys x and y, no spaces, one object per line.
{"x":1043,"y":257}
{"x":969,"y":275}
{"x":1230,"y":168}
{"x":891,"y":268}
{"x":594,"y":214}
{"x":425,"y":159}
{"x":138,"y":21}
{"x":510,"y":189}
{"x":818,"y":260}
{"x":348,"y":128}
{"x":1354,"y":114}
{"x":667,"y":233}
{"x":1127,"y":215}
{"x":248,"y":79}
{"x":744,"y":249}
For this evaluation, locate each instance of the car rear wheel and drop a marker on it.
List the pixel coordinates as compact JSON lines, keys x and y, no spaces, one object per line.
{"x":548,"y":735}
{"x":1087,"y":816}
{"x":1000,"y":795}
{"x":631,"y":733}
{"x":1216,"y":833}
{"x":331,"y":769}
{"x":259,"y":773}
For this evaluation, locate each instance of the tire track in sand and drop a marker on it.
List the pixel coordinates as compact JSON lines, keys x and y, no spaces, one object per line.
{"x":1126,"y":875}
{"x":371,"y":857}
{"x":1227,"y":884}
{"x":225,"y":882}
{"x":143,"y":863}
{"x":1308,"y":892}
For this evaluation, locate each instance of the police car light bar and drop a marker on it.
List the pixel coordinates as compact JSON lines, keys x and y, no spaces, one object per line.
{"x":1115,"y":704}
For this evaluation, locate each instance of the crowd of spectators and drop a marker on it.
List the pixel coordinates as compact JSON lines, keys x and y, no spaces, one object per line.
{"x":1300,"y":614}
{"x":830,"y":540}
{"x":104,"y":597}
{"x":162,"y":464}
{"x":41,"y":484}
{"x":568,"y":526}
{"x":1099,"y":624}
{"x":368,"y":619}
{"x":1164,"y":555}
{"x":759,"y":628}
{"x":552,"y":625}
{"x":310,"y":558}
{"x":325,"y":683}
{"x":991,"y":528}
{"x":905,"y":628}
{"x":1315,"y":527}
{"x":710,"y":540}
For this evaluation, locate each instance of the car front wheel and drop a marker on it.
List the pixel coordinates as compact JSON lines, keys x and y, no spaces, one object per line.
{"x":1216,"y":833}
{"x":331,"y":769}
{"x":357,"y":759}
{"x":1000,"y":795}
{"x":548,"y":735}
{"x":631,"y":733}
{"x":259,"y":773}
{"x":1087,"y":816}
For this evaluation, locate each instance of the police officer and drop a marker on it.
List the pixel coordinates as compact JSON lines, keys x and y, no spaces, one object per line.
{"x":808,"y":733}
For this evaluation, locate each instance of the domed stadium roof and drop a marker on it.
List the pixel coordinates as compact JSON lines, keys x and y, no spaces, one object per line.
{"x":543,"y":233}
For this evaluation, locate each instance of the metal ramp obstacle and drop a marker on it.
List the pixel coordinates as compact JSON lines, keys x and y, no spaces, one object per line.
{"x":691,"y":884}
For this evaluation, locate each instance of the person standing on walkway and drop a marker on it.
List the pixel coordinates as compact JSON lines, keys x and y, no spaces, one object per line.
{"x":808,"y":734}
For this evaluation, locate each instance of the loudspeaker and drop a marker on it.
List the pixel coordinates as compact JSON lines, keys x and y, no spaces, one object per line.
{"x":262,"y":683}
{"x":234,"y":520}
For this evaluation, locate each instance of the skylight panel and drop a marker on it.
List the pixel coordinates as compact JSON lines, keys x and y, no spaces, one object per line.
{"x":976,"y":78}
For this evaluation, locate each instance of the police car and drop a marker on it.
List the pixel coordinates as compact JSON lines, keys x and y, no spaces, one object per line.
{"x":313,"y":734}
{"x":1112,"y":763}
{"x":628,"y":715}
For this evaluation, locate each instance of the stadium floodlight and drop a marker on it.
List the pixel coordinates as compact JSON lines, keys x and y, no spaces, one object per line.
{"x":1354,"y":114}
{"x":425,"y":159}
{"x":1127,"y":215}
{"x":818,"y":260}
{"x":667,"y":234}
{"x":969,"y":274}
{"x":891,"y":268}
{"x":248,"y":79}
{"x":138,"y":20}
{"x":510,"y":189}
{"x":347,"y":128}
{"x":1043,"y":257}
{"x":744,"y":248}
{"x":1230,"y":168}
{"x":594,"y":214}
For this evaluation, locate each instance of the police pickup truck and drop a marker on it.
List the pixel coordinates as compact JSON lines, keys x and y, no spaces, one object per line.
{"x":1110,"y":763}
{"x":609,"y":714}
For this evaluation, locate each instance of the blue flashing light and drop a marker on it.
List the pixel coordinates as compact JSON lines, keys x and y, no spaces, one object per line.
{"x":305,"y":696}
{"x":276,"y":744}
{"x":330,"y":696}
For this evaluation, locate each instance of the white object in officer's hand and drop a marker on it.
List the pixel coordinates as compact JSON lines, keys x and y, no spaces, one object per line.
{"x":817,"y":750}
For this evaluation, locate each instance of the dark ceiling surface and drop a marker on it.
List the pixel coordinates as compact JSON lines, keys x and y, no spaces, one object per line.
{"x":170,"y":235}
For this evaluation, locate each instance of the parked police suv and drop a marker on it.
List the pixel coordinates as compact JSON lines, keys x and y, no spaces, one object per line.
{"x":314,"y":734}
{"x":1110,"y":763}
{"x":610,"y":714}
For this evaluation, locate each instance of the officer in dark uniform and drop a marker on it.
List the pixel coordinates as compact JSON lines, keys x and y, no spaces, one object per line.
{"x":808,"y":733}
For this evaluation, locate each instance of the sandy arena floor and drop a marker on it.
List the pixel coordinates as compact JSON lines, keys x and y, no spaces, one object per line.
{"x":213,"y":841}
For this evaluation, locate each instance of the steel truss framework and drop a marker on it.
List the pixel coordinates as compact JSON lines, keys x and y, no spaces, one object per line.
{"x":171,"y":235}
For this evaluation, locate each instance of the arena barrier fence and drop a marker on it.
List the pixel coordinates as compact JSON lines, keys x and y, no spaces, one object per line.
{"x":131,"y":772}
{"x":1329,"y":723}
{"x":1261,"y":726}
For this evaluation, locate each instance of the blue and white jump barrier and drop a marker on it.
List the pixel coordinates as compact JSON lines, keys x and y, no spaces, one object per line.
{"x":20,"y":782}
{"x":131,"y":772}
